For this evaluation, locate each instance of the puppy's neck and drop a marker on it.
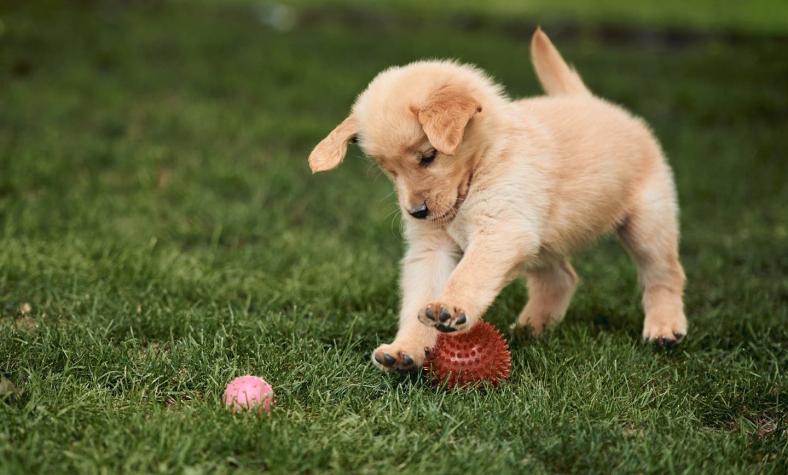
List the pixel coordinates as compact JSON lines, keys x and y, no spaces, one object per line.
{"x":486,"y":149}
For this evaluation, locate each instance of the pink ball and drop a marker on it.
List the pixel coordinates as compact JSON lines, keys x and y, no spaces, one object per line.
{"x":249,"y":392}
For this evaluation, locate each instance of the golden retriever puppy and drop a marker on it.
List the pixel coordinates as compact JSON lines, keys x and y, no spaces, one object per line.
{"x":494,"y":189}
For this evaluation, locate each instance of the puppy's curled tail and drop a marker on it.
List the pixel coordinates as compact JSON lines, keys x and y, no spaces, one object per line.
{"x":556,"y":76}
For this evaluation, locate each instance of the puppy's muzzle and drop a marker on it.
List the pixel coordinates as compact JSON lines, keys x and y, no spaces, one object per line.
{"x":419,"y":212}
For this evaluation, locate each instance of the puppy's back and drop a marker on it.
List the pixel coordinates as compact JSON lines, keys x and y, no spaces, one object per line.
{"x":597,"y":156}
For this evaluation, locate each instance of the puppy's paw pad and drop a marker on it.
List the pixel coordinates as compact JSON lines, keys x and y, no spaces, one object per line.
{"x":445,"y":318}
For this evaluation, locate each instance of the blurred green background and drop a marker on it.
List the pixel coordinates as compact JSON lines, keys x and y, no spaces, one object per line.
{"x":160,"y":233}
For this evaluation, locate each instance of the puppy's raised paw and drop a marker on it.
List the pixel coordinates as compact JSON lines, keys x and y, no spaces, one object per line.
{"x":445,"y":318}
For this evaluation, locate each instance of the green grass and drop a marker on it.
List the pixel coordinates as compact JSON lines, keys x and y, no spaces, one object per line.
{"x":158,"y":217}
{"x":763,"y":16}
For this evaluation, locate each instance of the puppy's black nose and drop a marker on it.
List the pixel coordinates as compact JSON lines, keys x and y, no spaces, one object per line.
{"x":419,"y":212}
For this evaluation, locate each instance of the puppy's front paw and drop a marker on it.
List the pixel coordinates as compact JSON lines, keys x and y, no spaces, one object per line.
{"x":398,"y":357}
{"x":445,"y":318}
{"x":665,"y":329}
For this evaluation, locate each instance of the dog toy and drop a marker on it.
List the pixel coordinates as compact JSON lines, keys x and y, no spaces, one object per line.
{"x":248,"y":393}
{"x":470,"y":358}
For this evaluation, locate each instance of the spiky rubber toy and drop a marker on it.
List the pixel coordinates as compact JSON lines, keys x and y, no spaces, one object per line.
{"x":470,"y":358}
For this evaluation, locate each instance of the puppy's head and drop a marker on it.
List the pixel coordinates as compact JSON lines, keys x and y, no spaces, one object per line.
{"x":424,"y":124}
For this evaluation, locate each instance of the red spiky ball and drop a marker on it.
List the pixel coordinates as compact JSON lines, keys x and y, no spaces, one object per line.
{"x":467,"y":359}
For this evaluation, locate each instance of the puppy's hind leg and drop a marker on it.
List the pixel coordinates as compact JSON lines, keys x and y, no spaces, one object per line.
{"x":650,"y":235}
{"x":550,"y":290}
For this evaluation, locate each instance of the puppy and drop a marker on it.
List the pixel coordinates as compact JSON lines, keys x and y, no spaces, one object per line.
{"x":493,"y":189}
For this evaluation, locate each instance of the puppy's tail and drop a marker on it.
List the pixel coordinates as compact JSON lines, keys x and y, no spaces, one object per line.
{"x":556,"y":76}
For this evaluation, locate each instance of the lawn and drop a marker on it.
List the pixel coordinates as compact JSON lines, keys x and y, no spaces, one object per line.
{"x":160,"y":234}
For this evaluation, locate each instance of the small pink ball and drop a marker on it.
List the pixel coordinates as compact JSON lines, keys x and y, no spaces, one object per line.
{"x":247,"y":393}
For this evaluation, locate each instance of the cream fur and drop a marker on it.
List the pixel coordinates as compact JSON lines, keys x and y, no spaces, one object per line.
{"x":516,"y":188}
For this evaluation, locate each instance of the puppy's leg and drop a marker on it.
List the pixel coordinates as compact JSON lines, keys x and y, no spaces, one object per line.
{"x":425,"y":270}
{"x":550,"y":289}
{"x":650,"y":234}
{"x":488,"y":265}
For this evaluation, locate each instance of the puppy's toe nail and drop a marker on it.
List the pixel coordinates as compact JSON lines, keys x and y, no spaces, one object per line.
{"x":679,"y":336}
{"x":429,"y":314}
{"x":388,"y":360}
{"x":665,"y":342}
{"x":379,"y":358}
{"x":445,"y":315}
{"x":461,"y":319}
{"x":407,"y":360}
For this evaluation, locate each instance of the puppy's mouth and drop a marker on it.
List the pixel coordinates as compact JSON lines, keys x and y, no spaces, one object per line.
{"x":462,"y":195}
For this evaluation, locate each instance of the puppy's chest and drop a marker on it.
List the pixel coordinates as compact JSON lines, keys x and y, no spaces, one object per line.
{"x":460,"y":231}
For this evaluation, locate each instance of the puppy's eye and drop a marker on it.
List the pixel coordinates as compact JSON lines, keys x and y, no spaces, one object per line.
{"x":428,"y":158}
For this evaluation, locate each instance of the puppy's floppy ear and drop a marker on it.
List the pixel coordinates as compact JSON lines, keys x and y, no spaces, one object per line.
{"x":330,"y":152}
{"x":445,"y":116}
